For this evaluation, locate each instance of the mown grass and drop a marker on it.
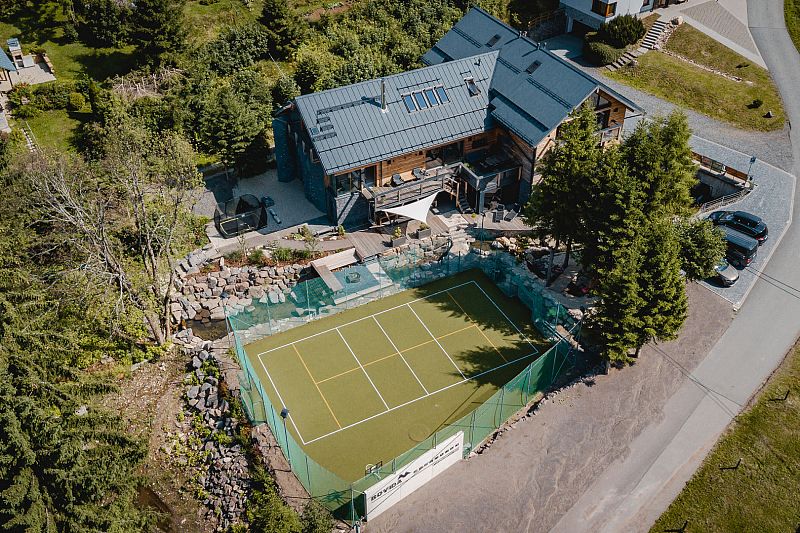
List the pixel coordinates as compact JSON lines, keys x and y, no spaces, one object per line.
{"x":791,"y":12}
{"x":42,"y":26}
{"x":56,"y":129}
{"x":690,"y":86}
{"x":763,"y":494}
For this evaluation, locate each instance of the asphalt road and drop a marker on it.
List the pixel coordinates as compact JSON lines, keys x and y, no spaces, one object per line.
{"x":635,"y":490}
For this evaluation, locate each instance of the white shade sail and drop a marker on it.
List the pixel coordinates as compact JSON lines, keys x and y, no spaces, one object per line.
{"x":415,"y":210}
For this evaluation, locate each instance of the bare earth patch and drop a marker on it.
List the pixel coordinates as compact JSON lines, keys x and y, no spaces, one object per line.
{"x":536,"y":471}
{"x":149,"y":399}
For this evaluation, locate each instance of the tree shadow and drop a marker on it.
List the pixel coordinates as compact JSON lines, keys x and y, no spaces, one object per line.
{"x":103,"y":63}
{"x":37,"y":22}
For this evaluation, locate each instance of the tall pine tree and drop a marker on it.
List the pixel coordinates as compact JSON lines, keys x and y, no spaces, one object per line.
{"x":554,"y":208}
{"x":284,"y":27}
{"x":157,"y":28}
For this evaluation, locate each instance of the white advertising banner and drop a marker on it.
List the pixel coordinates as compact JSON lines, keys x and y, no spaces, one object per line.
{"x":406,"y":480}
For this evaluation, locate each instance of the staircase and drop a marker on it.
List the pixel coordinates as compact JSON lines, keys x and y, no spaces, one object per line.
{"x":460,"y":241}
{"x":653,"y":35}
{"x":30,"y":138}
{"x":461,"y":201}
{"x":624,"y":60}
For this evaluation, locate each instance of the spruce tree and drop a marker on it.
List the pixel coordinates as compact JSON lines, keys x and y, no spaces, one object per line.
{"x":284,"y":28}
{"x":661,"y":286}
{"x":555,"y":207}
{"x":157,"y":27}
{"x":659,"y":156}
{"x":702,"y":246}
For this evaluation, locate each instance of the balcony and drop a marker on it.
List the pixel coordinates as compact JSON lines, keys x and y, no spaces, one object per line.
{"x":419,"y":184}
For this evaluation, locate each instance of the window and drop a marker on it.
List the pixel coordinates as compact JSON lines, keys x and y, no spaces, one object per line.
{"x":409,"y":103}
{"x":314,"y":157}
{"x":431,"y":96}
{"x":493,"y":40}
{"x":420,"y":100}
{"x":533,"y":66}
{"x":646,"y":3}
{"x":604,"y":9}
{"x":440,"y":92}
{"x":472,"y":87}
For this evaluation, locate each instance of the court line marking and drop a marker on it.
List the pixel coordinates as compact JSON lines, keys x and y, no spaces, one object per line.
{"x":525,"y":337}
{"x":476,"y":325}
{"x":400,"y":354}
{"x":362,"y":368}
{"x":437,"y":341}
{"x":366,"y":317}
{"x":283,"y":403}
{"x":421,"y":397}
{"x":317,"y":386}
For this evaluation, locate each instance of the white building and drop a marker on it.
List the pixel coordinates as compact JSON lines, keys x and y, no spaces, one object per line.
{"x":592,"y":13}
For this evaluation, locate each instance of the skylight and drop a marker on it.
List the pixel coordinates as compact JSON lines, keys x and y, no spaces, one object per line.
{"x":431,"y":96}
{"x":426,"y":98}
{"x":472,"y":87}
{"x":409,"y":103}
{"x":493,"y":40}
{"x":533,"y":66}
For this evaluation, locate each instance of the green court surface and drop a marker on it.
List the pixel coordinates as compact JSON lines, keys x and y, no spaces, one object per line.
{"x":365,"y":385}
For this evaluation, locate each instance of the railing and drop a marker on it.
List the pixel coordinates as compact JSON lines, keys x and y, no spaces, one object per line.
{"x":723,"y":201}
{"x":442,"y":181}
{"x":609,"y":134}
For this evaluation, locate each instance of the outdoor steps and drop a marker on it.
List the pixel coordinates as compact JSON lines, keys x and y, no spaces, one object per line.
{"x":463,"y":204}
{"x":624,"y":60}
{"x":653,"y":34}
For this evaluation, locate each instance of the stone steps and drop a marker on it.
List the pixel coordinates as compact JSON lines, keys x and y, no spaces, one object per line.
{"x":624,"y":60}
{"x":653,"y":34}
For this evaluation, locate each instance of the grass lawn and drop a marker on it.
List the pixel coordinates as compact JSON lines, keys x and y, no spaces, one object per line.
{"x":791,"y":11}
{"x":763,"y":494}
{"x":43,"y":26}
{"x":55,"y":129}
{"x":690,"y":86}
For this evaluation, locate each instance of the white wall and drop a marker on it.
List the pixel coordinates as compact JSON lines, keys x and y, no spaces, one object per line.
{"x":581,"y":10}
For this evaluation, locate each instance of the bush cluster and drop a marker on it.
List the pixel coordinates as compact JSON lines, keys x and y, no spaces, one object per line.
{"x":600,"y":53}
{"x":622,"y":31}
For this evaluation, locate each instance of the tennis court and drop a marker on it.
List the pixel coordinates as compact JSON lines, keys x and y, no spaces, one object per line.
{"x":365,"y":385}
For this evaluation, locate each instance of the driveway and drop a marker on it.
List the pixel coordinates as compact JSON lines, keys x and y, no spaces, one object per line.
{"x":771,"y":199}
{"x":631,"y":494}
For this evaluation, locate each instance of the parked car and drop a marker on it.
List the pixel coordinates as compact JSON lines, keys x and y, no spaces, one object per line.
{"x":743,"y":222}
{"x":726,"y":274}
{"x":742,"y":249}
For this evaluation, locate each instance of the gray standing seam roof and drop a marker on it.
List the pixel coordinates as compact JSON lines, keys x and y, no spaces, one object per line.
{"x":364,"y":134}
{"x":6,"y":63}
{"x":522,"y":86}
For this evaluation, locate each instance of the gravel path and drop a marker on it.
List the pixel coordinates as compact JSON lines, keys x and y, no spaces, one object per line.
{"x":533,"y":474}
{"x":773,"y":147}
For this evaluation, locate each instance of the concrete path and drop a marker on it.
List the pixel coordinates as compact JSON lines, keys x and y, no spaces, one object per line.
{"x":631,"y":494}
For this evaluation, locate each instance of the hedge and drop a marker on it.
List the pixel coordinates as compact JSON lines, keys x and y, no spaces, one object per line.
{"x":600,"y":54}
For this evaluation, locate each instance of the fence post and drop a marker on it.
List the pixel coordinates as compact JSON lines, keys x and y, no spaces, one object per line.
{"x":308,"y":475}
{"x":472,"y":430}
{"x":502,"y":397}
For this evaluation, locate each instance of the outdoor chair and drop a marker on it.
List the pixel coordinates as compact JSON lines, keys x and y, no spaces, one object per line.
{"x":418,"y":173}
{"x":396,"y":180}
{"x":497,"y":215}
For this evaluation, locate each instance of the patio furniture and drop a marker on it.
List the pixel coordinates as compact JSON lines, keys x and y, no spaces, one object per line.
{"x":511,"y":215}
{"x":497,"y":215}
{"x":418,"y":173}
{"x":397,"y":180}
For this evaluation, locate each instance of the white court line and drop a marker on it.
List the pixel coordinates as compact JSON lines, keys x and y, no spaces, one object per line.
{"x":399,"y":353}
{"x":506,"y":316}
{"x":422,"y":397}
{"x":283,"y":403}
{"x":367,"y":317}
{"x":436,"y":340}
{"x":362,"y":368}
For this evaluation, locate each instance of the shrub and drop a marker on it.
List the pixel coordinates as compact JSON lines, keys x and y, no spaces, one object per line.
{"x":76,"y":101}
{"x":622,"y":31}
{"x":257,"y":257}
{"x":54,"y":95}
{"x":282,"y":254}
{"x":600,"y":54}
{"x":26,"y":111}
{"x":758,"y":102}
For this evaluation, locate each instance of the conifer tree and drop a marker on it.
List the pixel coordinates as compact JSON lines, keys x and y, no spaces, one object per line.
{"x":284,"y":28}
{"x":555,"y":206}
{"x":157,"y":27}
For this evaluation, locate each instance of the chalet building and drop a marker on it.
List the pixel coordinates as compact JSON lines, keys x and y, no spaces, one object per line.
{"x":469,"y":127}
{"x":590,"y":14}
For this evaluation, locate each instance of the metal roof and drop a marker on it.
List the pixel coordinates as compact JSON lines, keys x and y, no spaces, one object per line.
{"x":522,"y":86}
{"x":349,"y":129}
{"x":524,"y":98}
{"x":6,"y":63}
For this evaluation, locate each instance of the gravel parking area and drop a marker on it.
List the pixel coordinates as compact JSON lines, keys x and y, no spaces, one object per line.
{"x":534,"y":473}
{"x":771,"y":199}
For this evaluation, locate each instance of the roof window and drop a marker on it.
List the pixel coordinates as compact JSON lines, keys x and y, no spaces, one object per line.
{"x":429,"y":97}
{"x":442,"y":94}
{"x":472,"y":87}
{"x":533,"y":66}
{"x":420,"y":100}
{"x":493,"y":40}
{"x":410,"y":106}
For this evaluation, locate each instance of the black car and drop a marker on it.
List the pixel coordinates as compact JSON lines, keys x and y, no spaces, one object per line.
{"x":743,"y":222}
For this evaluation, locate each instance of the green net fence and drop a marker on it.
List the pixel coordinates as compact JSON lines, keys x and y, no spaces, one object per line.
{"x":361,"y":283}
